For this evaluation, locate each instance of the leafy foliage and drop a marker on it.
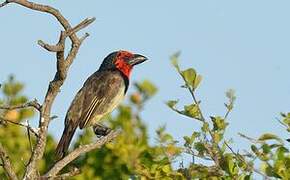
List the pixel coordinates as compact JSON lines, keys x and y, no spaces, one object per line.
{"x":209,"y":143}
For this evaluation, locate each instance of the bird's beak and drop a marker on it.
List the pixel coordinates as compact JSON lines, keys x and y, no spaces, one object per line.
{"x":137,"y":59}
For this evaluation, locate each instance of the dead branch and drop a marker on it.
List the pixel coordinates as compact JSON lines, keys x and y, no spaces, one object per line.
{"x":7,"y":164}
{"x":79,"y":151}
{"x":26,"y":125}
{"x":34,"y":104}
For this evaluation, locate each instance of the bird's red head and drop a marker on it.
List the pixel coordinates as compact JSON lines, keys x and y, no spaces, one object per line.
{"x":122,"y":64}
{"x":122,"y":61}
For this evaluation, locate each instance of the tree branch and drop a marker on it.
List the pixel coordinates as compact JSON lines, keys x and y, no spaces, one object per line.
{"x":31,"y":129}
{"x":62,"y":65}
{"x":79,"y":151}
{"x":33,"y":104}
{"x":7,"y":164}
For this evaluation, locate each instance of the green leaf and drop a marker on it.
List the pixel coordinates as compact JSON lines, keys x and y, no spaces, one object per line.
{"x":192,"y":111}
{"x":269,"y":136}
{"x":255,"y":150}
{"x":189,"y":76}
{"x":195,"y":135}
{"x":171,"y":104}
{"x":187,"y":139}
{"x":205,"y":127}
{"x":219,"y":123}
{"x":217,"y":137}
{"x":266,"y":148}
{"x":197,"y":81}
{"x":200,"y":148}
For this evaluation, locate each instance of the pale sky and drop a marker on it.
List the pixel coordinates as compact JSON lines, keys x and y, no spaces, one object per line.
{"x":243,"y":45}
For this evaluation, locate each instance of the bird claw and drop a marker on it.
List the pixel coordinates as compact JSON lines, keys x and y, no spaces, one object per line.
{"x":101,"y":130}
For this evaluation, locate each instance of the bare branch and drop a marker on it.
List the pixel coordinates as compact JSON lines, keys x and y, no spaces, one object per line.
{"x":26,"y":125}
{"x":80,"y":26}
{"x":7,"y":164}
{"x":84,"y":37}
{"x":33,"y":104}
{"x":62,"y":66}
{"x":79,"y":151}
{"x":51,"y":48}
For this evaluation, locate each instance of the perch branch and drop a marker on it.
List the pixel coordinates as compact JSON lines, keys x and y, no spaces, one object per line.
{"x":79,"y":151}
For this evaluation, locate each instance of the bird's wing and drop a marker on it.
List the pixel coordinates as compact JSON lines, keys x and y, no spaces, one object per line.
{"x":102,"y":93}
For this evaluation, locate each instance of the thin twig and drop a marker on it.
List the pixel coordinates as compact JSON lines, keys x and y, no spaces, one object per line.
{"x":33,"y":104}
{"x":51,"y":48}
{"x":254,"y":141}
{"x":79,"y":151}
{"x":31,"y":129}
{"x":227,"y":114}
{"x":29,"y":137}
{"x":80,"y":26}
{"x":84,"y":37}
{"x":197,"y":104}
{"x":6,"y":164}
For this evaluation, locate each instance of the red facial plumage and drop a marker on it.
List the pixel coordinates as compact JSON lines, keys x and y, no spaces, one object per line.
{"x":122,"y":64}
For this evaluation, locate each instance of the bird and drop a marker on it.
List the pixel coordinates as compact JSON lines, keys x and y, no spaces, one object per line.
{"x":100,"y":94}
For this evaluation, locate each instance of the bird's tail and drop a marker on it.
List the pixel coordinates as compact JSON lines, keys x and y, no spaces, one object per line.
{"x":64,"y":142}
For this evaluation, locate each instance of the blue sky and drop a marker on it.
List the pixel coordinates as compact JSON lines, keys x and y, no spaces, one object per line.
{"x":243,"y":45}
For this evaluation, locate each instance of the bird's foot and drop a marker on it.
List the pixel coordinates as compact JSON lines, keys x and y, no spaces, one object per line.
{"x":101,"y":130}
